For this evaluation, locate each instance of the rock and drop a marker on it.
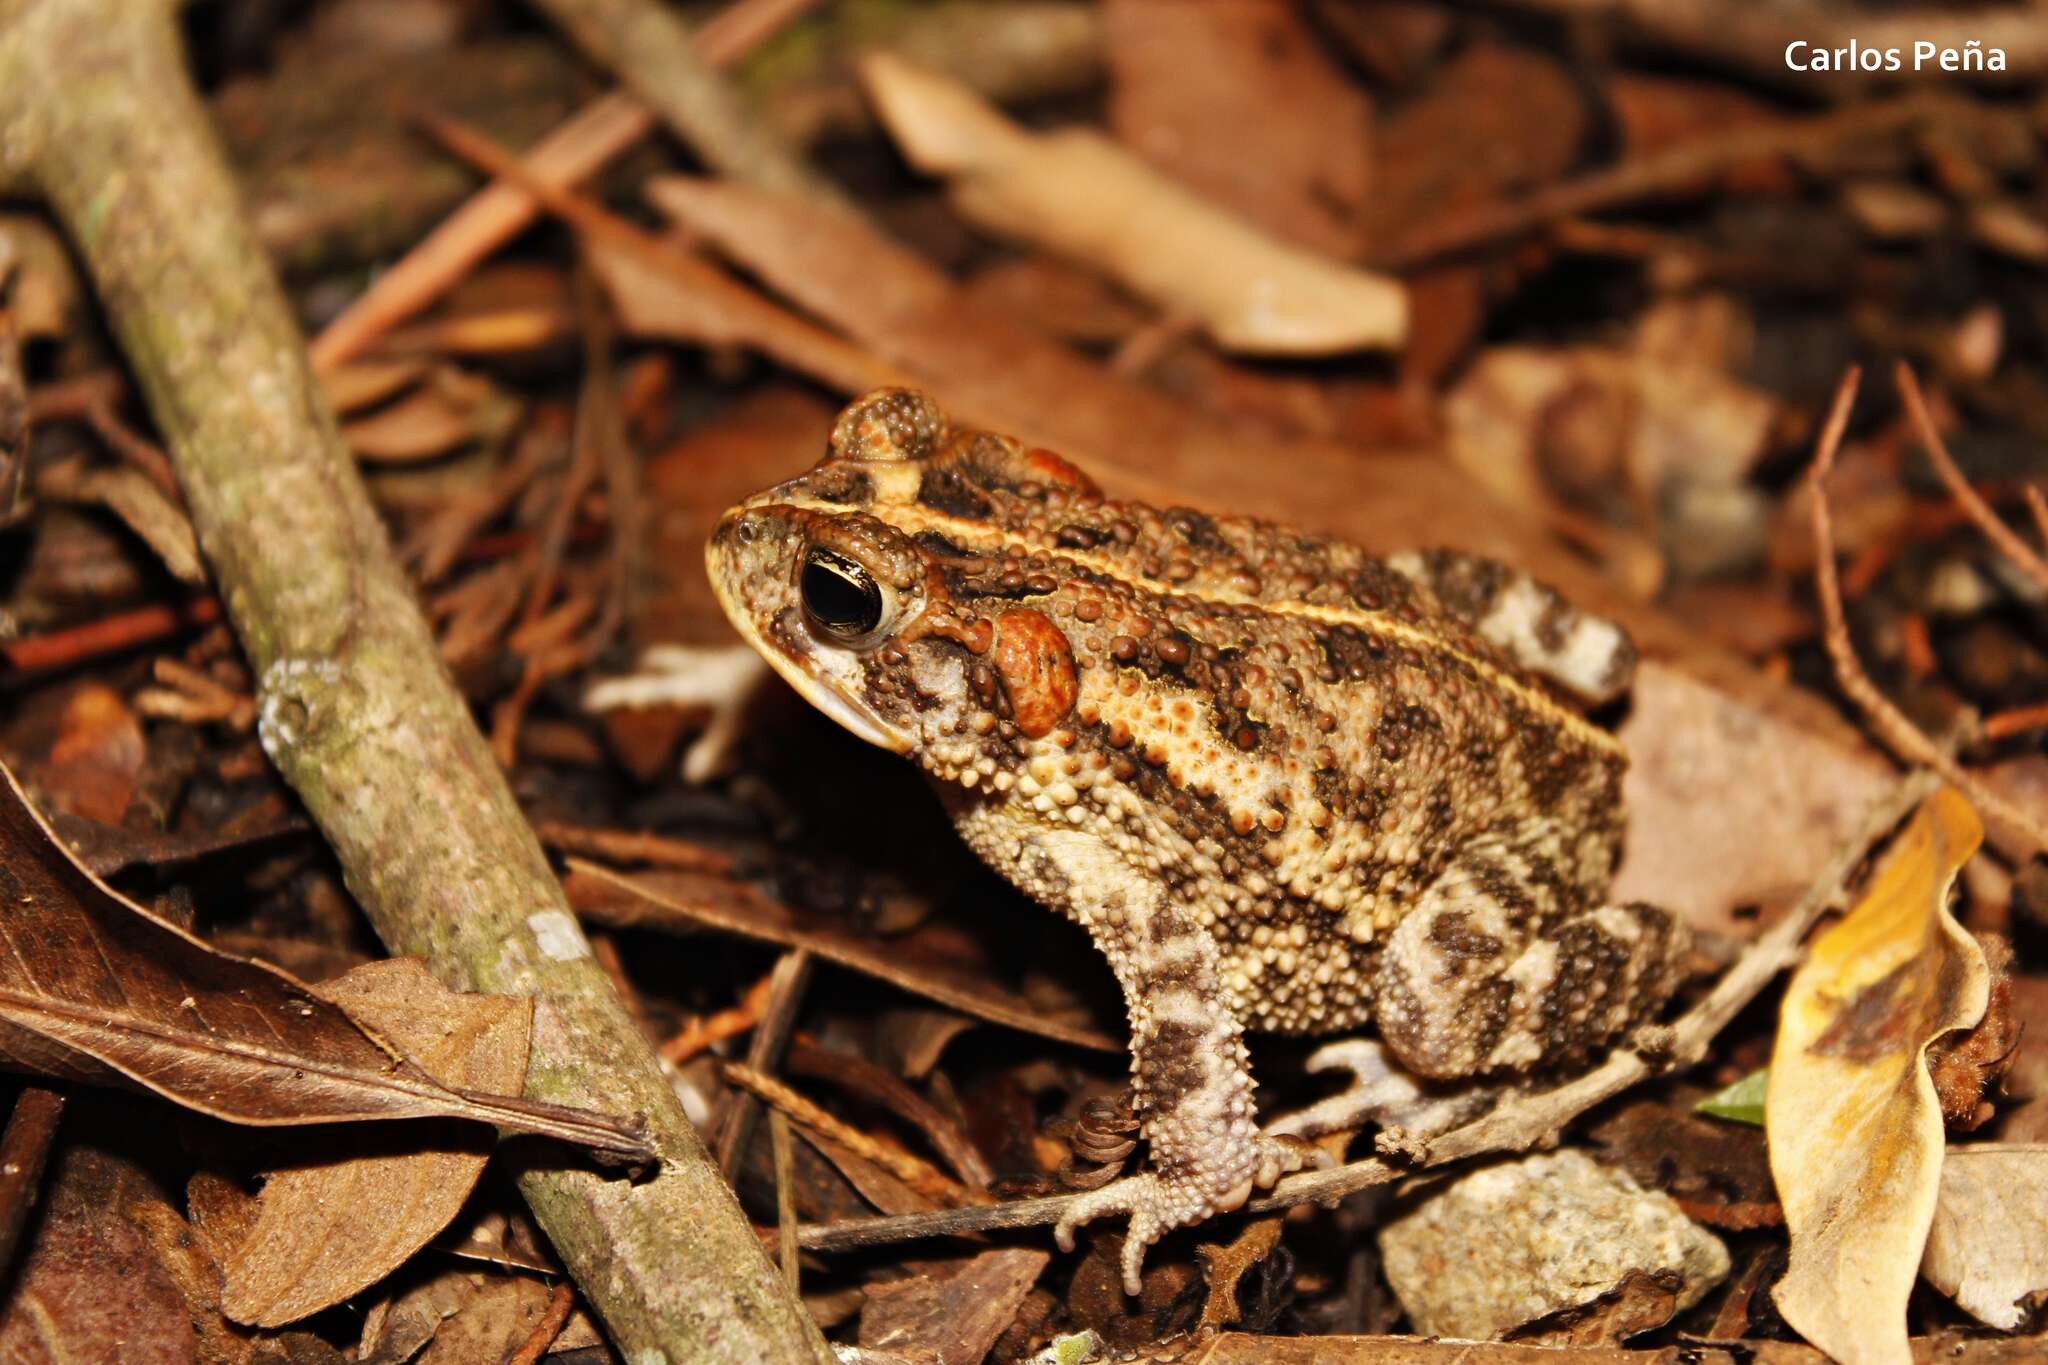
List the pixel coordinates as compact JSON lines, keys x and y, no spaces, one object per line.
{"x":1513,"y":1243}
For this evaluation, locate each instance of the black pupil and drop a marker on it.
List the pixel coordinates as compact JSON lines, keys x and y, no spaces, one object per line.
{"x":840,"y":596}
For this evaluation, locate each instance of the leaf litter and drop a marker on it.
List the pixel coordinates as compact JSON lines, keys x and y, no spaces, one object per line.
{"x":1627,"y":289}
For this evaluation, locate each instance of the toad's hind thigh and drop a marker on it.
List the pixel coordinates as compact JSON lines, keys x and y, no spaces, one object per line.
{"x":1494,"y":969}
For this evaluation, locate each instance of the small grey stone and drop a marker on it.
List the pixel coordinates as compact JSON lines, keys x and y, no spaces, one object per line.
{"x":1508,"y":1244}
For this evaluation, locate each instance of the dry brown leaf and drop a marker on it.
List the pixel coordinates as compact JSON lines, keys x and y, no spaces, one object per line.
{"x":1077,"y":193}
{"x":448,"y":411}
{"x":953,"y":1311}
{"x":1730,"y":804}
{"x":674,"y":295}
{"x":1988,"y":1246}
{"x":332,"y":1227}
{"x":98,"y":755}
{"x":1493,"y":120}
{"x":91,"y":1277}
{"x":1851,"y":1116}
{"x":1274,"y":130}
{"x":691,"y":900}
{"x":454,"y":1317}
{"x":95,"y":988}
{"x":1653,"y":114}
{"x":990,"y":370}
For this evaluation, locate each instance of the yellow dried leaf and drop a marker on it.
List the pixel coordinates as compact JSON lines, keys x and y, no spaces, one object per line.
{"x":1854,"y":1127}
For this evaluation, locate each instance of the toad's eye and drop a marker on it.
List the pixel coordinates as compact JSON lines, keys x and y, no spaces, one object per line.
{"x":840,"y":597}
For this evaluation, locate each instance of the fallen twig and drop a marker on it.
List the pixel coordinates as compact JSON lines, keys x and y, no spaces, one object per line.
{"x":1518,"y":1123}
{"x":548,"y":1328}
{"x":24,"y":1147}
{"x":649,"y":47}
{"x":494,"y":215}
{"x":108,"y":635}
{"x":912,"y":1170}
{"x":1969,"y":499}
{"x":786,"y":987}
{"x":1893,"y":726}
{"x":1659,"y":173}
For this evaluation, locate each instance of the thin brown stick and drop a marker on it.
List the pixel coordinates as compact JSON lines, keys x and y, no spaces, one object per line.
{"x":716,"y":1028}
{"x":544,"y":1332}
{"x":908,"y":1167}
{"x":2017,"y":721}
{"x":786,"y":987}
{"x":808,"y":1058}
{"x":494,"y":215}
{"x":1969,"y":499}
{"x":2038,"y":506}
{"x":108,"y":635}
{"x":1519,"y":1123}
{"x":633,"y":846}
{"x":785,"y":1199}
{"x":147,"y":456}
{"x":646,"y":44}
{"x":24,"y":1146}
{"x":1646,"y":177}
{"x":1892,"y":725}
{"x":748,"y":318}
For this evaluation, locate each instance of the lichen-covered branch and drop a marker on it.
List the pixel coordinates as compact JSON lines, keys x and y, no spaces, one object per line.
{"x":98,"y":117}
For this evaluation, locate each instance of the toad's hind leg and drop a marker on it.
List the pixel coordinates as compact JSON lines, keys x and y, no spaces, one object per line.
{"x":1531,"y":622}
{"x":1494,"y":969}
{"x":1190,"y":1073}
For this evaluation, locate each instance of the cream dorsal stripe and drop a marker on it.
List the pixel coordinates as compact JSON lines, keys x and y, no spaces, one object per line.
{"x":914,"y":517}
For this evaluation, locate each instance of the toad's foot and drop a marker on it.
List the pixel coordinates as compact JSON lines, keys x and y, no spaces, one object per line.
{"x":1156,"y":1205}
{"x":1381,"y":1092}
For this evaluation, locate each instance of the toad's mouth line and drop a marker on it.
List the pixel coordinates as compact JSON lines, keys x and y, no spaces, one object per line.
{"x":850,"y":711}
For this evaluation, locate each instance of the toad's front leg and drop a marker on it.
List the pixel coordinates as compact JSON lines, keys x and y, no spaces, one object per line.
{"x":1190,"y":1072}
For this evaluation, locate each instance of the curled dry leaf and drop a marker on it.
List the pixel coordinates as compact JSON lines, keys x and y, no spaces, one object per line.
{"x":1078,"y":193}
{"x":1988,"y":1246}
{"x":90,"y":1276}
{"x":364,"y":1205}
{"x":1851,"y":1116}
{"x":95,"y":988}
